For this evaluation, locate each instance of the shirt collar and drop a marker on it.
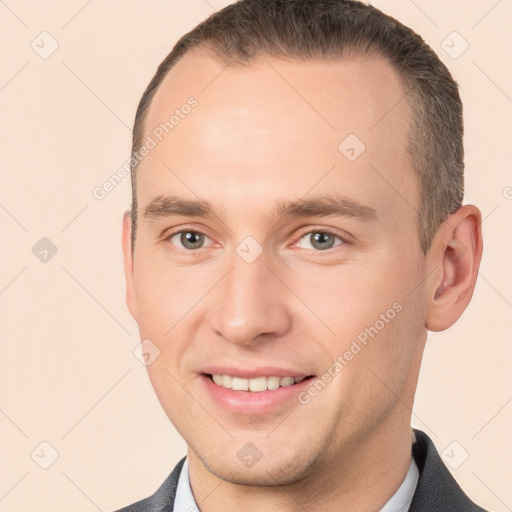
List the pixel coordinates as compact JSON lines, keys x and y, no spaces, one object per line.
{"x":401,"y":500}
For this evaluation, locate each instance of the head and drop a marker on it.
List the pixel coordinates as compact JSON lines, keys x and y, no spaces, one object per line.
{"x":337,"y":29}
{"x":304,"y":218}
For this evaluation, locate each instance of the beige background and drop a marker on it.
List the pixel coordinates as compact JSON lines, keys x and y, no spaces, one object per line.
{"x":68,"y":373}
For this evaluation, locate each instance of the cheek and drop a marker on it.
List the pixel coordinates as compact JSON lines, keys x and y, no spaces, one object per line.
{"x":352,"y":298}
{"x":377,"y":324}
{"x":164,"y":315}
{"x":393,"y":342}
{"x":171,"y":395}
{"x":164,"y":296}
{"x":375,"y":372}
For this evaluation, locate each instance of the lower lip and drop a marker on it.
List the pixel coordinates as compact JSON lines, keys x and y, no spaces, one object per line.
{"x":253,"y":402}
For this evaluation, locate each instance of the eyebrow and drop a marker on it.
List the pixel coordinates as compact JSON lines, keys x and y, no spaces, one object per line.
{"x":318,"y":206}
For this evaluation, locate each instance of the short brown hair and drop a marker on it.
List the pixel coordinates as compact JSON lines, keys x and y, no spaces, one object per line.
{"x":316,"y":29}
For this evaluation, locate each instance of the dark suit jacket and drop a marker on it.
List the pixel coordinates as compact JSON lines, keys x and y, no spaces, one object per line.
{"x":437,"y":490}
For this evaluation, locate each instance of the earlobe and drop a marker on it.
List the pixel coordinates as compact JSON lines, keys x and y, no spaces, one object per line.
{"x":131,"y":298}
{"x":457,"y":251}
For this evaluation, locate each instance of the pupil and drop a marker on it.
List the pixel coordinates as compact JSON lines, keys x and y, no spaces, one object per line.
{"x":191,"y":238}
{"x":321,"y":237}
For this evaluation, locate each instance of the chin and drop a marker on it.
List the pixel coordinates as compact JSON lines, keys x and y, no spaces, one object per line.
{"x":274,"y":471}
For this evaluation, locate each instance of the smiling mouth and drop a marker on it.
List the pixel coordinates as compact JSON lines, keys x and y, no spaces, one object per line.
{"x":256,"y":384}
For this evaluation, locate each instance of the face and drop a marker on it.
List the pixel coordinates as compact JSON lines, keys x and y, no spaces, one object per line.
{"x":300,"y":266}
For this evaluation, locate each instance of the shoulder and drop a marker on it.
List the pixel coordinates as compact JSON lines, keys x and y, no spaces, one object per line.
{"x":163,"y":498}
{"x":436,"y":489}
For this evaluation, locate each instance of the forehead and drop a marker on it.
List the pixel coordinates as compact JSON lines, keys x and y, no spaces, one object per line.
{"x":279,"y":121}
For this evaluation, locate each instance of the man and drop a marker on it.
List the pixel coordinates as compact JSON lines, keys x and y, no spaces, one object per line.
{"x":296,"y":229}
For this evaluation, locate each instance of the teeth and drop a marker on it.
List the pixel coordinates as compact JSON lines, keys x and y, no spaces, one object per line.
{"x":240,"y":384}
{"x":286,"y":381}
{"x":256,"y":384}
{"x":273,"y":382}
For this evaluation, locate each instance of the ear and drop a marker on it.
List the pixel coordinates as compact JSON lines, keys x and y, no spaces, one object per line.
{"x":131,"y":298}
{"x":456,"y":253}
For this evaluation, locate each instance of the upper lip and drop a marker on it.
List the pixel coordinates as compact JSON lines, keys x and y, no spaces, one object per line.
{"x":251,"y":373}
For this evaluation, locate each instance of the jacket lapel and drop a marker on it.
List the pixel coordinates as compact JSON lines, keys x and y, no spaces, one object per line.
{"x":163,"y":499}
{"x":437,"y":489}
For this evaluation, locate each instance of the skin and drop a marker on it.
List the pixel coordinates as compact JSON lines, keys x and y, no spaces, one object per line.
{"x":254,"y":139}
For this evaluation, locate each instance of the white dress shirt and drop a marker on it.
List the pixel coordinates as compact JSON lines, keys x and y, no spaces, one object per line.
{"x":399,"y":502}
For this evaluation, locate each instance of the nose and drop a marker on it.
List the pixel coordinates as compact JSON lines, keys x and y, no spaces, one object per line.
{"x":250,"y":303}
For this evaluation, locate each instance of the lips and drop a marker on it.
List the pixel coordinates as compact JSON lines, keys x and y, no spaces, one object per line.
{"x":254,"y":395}
{"x":253,"y":390}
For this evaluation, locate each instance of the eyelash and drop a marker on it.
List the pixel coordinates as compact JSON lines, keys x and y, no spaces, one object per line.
{"x":310,"y":231}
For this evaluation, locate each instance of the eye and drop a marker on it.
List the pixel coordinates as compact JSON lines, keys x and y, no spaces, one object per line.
{"x":321,"y":240}
{"x":188,"y":239}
